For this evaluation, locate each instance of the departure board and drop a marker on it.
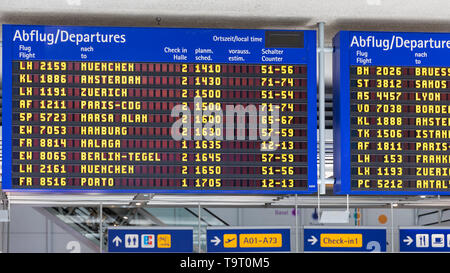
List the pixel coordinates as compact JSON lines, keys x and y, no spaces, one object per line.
{"x":391,"y":113}
{"x":115,"y":109}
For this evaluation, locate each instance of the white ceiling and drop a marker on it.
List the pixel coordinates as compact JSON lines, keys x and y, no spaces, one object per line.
{"x":382,"y":15}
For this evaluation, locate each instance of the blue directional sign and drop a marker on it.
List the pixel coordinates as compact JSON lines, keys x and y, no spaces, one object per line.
{"x":389,"y":100}
{"x":344,"y":239}
{"x":242,"y":239}
{"x":150,"y":239}
{"x":420,"y":239}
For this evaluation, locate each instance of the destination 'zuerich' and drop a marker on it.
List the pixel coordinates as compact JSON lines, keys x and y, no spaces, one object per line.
{"x":103,"y":92}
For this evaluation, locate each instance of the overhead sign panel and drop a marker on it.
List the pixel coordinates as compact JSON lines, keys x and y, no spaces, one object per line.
{"x":337,"y":239}
{"x":150,"y":239}
{"x":424,"y":239}
{"x":159,"y":109}
{"x":251,"y":239}
{"x":391,"y":113}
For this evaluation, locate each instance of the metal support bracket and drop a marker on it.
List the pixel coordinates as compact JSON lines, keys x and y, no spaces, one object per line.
{"x":326,"y":216}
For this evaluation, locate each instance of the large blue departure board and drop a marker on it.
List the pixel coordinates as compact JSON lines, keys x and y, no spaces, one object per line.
{"x":391,"y":113}
{"x":115,"y":109}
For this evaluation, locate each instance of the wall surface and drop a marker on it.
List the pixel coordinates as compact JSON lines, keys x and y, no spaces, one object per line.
{"x":32,"y":232}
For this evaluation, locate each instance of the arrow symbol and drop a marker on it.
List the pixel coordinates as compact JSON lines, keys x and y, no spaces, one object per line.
{"x":117,"y":241}
{"x":216,"y":241}
{"x":408,"y":240}
{"x":312,"y":240}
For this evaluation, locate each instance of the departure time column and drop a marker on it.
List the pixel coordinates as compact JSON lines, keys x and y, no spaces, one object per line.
{"x":203,"y":128}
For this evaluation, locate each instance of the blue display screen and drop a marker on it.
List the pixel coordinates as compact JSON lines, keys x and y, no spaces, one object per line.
{"x":391,"y":94}
{"x":121,"y":109}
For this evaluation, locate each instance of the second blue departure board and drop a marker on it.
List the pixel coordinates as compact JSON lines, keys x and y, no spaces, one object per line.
{"x":116,"y":109}
{"x":391,"y":113}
